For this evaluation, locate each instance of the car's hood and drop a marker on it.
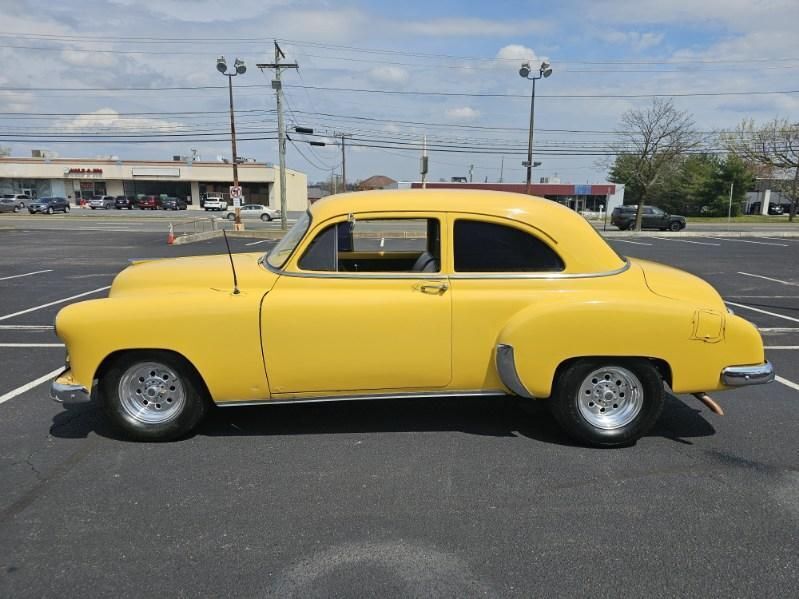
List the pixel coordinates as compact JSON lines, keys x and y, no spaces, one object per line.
{"x":176,"y":275}
{"x":680,"y":285}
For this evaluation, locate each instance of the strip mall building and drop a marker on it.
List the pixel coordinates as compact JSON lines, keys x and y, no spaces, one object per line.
{"x":82,"y":178}
{"x":601,"y":197}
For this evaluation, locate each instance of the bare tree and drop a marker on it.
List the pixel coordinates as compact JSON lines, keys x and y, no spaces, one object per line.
{"x":775,"y":146}
{"x":654,"y":140}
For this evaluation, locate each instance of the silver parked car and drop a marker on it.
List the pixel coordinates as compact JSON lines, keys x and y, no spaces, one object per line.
{"x":8,"y":205}
{"x":265,"y":213}
{"x":20,"y":199}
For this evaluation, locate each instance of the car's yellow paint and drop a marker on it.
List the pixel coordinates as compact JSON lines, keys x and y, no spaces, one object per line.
{"x":291,"y":333}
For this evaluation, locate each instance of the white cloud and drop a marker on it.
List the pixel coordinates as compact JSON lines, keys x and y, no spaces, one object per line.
{"x":108,"y":118}
{"x":473,"y":27}
{"x":516,"y":52}
{"x":204,"y":11}
{"x":16,"y":101}
{"x":462,"y":113}
{"x":639,"y":41}
{"x":389,"y":74}
{"x":88,"y":59}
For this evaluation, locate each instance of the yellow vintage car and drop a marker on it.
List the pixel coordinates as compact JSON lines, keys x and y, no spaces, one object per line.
{"x":416,"y":293}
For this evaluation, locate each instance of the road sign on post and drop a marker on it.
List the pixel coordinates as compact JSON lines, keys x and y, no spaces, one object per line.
{"x":235,"y":196}
{"x":235,"y":192}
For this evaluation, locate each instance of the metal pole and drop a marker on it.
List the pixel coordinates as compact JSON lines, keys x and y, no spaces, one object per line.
{"x":343,"y":166}
{"x":281,"y":143}
{"x":233,"y":146}
{"x":729,"y":208}
{"x":502,"y":168}
{"x":530,"y":139}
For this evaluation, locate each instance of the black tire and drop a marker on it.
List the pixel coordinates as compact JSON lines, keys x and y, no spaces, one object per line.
{"x":49,"y":211}
{"x":66,"y":209}
{"x":191,"y":412}
{"x":231,"y":216}
{"x":675,"y":226}
{"x":565,"y":401}
{"x":266,"y":218}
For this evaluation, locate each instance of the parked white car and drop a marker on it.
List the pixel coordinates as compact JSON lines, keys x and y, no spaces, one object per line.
{"x":214,"y":201}
{"x":265,"y":213}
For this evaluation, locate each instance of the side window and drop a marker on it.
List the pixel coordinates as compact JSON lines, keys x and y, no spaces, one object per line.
{"x":489,"y":247}
{"x":376,"y":245}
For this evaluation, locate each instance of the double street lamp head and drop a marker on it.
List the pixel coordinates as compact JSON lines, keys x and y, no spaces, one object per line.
{"x":544,"y":70}
{"x":239,"y":68}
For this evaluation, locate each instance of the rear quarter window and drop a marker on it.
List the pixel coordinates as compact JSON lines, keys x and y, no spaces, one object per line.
{"x":490,"y":247}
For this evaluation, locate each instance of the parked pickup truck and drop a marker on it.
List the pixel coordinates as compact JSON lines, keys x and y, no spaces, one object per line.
{"x":215,"y":201}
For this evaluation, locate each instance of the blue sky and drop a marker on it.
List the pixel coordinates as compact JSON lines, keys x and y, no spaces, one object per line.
{"x":599,"y":47}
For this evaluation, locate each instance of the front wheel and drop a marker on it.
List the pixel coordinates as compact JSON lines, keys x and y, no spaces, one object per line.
{"x":608,"y":402}
{"x":675,"y":227}
{"x":153,"y":395}
{"x":266,"y":218}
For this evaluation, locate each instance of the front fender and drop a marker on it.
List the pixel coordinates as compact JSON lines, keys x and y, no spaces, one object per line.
{"x":218,"y":332}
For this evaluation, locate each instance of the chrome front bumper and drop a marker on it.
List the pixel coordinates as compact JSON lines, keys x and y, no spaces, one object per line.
{"x":738,"y":376}
{"x":68,"y":393}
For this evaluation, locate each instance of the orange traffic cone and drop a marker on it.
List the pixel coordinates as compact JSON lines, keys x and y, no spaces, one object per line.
{"x":170,"y":238}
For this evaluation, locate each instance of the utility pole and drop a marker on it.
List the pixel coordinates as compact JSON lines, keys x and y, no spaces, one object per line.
{"x":423,"y":164}
{"x":502,"y":168}
{"x":343,"y":137}
{"x":471,"y":169}
{"x":729,"y":207}
{"x":281,"y":128}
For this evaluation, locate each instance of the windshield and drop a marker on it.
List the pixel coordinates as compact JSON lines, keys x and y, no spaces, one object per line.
{"x":281,"y":252}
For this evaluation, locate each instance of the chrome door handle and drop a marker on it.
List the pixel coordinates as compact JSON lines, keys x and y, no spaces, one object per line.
{"x":433,"y":288}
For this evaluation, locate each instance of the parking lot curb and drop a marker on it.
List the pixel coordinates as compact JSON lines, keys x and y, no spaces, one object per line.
{"x":205,"y":235}
{"x":634,"y":234}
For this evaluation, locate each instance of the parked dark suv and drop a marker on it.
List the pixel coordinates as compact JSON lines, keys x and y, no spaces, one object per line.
{"x":653,"y":218}
{"x":125,"y":202}
{"x":148,"y":203}
{"x":48,"y":205}
{"x":173,"y":203}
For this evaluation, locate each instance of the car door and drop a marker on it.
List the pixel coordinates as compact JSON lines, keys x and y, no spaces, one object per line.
{"x":648,"y":220}
{"x":362,"y":307}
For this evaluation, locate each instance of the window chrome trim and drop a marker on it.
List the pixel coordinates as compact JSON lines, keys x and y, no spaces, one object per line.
{"x":365,"y":397}
{"x":456,"y":276}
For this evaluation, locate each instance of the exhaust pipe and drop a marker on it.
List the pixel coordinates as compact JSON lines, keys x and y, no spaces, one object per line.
{"x":710,"y":403}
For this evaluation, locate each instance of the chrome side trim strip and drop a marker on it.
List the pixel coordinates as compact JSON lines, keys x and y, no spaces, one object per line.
{"x":506,"y":366}
{"x":332,"y":398}
{"x":464,"y":276}
{"x":739,"y":376}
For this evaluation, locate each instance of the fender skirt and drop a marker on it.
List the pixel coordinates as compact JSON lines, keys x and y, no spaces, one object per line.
{"x":506,"y":367}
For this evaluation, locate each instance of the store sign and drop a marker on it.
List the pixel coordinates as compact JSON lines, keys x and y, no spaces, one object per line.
{"x":83,"y":172}
{"x":155,"y":171}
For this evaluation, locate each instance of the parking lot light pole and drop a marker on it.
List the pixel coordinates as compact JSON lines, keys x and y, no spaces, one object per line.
{"x":544,"y":70}
{"x":239,"y":68}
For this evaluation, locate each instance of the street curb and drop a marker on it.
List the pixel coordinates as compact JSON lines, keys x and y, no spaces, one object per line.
{"x":634,"y":234}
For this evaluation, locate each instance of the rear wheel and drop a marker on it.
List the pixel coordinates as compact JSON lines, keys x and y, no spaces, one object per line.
{"x":231,"y":216}
{"x":675,"y":226}
{"x":608,"y":402}
{"x":66,"y":209}
{"x":153,"y":395}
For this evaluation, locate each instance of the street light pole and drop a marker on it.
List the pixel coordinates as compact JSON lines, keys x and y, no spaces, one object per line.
{"x":544,"y":71}
{"x":239,"y":68}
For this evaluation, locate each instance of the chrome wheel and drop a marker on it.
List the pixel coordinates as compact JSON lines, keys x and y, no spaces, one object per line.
{"x":151,"y":393}
{"x":610,"y":397}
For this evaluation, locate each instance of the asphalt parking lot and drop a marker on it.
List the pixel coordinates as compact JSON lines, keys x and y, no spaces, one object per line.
{"x":459,"y":498}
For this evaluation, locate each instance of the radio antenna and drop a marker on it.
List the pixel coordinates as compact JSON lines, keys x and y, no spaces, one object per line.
{"x":232,"y":266}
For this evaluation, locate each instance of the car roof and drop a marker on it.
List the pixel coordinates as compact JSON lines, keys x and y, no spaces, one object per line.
{"x":581,"y":246}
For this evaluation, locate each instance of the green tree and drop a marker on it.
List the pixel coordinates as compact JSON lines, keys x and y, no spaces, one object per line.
{"x":656,"y":139}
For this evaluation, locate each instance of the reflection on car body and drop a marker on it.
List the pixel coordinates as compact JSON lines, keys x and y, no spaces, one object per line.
{"x":413,"y":293}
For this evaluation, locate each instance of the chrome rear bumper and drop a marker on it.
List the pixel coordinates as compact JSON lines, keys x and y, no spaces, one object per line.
{"x":68,"y":393}
{"x":757,"y":374}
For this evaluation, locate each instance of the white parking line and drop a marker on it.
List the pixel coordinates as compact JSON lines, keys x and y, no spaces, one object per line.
{"x":791,"y":318}
{"x":635,"y":242}
{"x":686,"y":241}
{"x":781,"y":347}
{"x":784,"y":245}
{"x":60,"y":301}
{"x":26,"y":327}
{"x":257,"y":242}
{"x":31,"y":345}
{"x":28,"y":386}
{"x":779,"y":379}
{"x":749,"y":274}
{"x":27,"y":274}
{"x":778,"y":329}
